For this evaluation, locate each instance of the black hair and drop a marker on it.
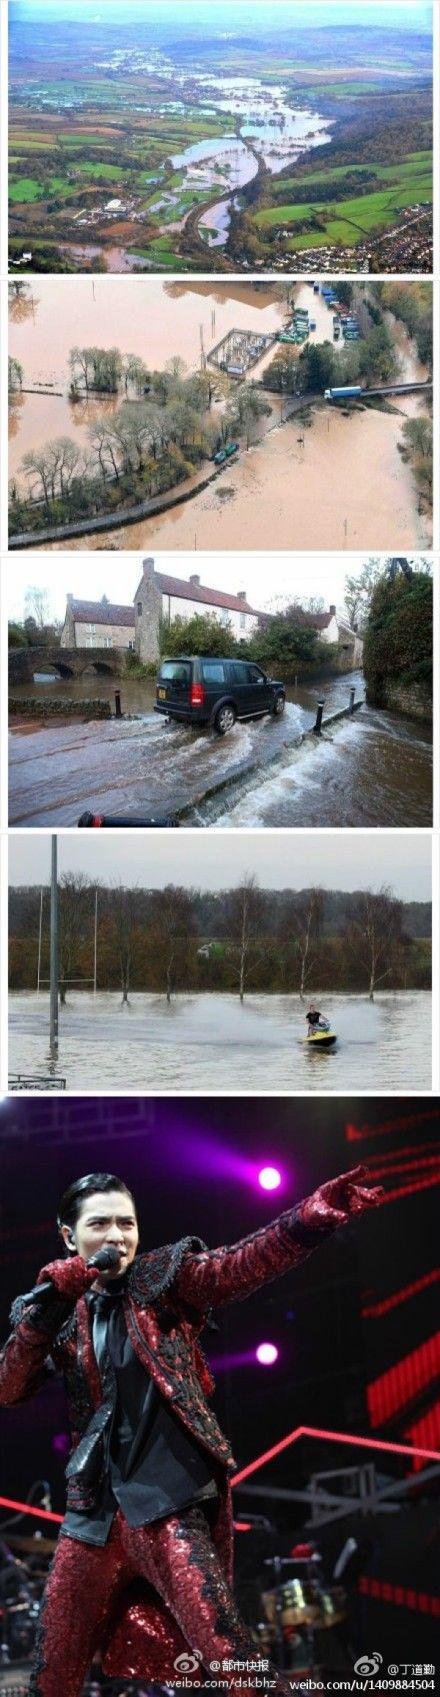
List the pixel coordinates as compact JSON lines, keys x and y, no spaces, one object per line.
{"x":72,"y":1199}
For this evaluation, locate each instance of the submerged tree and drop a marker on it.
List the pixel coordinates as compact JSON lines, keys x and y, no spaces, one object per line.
{"x":74,"y":897}
{"x":246,"y":909}
{"x":375,"y":935}
{"x":303,"y":926}
{"x":173,"y":929}
{"x":123,"y":925}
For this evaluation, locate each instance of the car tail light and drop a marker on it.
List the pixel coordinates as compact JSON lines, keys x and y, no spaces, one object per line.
{"x":197,"y":695}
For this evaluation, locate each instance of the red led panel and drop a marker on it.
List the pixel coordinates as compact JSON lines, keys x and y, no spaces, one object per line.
{"x":402,"y":1595}
{"x":373,"y":1310}
{"x":399,"y":1384}
{"x":425,"y":1431}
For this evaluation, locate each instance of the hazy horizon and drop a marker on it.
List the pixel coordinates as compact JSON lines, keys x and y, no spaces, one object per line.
{"x":414,"y":15}
{"x":335,"y":860}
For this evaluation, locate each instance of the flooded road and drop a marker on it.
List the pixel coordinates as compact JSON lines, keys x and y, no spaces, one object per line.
{"x":212,"y":1042}
{"x":371,"y":769}
{"x":296,"y":489}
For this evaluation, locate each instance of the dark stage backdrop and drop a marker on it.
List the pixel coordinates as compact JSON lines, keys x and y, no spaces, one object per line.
{"x":355,"y":1326}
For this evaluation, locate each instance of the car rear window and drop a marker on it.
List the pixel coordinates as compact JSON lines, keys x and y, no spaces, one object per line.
{"x":175,"y":671}
{"x":213,"y":671}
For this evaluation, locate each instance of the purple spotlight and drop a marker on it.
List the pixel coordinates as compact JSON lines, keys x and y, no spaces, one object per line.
{"x":267,"y":1354}
{"x":269,"y":1178}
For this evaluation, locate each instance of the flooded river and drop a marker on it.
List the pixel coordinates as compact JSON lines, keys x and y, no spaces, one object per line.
{"x":371,"y":769}
{"x":296,"y":488}
{"x":211,"y":1042}
{"x":269,"y":130}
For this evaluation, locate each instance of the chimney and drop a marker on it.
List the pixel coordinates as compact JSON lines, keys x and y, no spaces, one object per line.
{"x":241,"y":595}
{"x":148,"y":569}
{"x":195,"y":579}
{"x":332,"y":610}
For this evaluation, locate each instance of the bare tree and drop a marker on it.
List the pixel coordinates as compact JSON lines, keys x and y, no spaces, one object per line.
{"x":375,"y":935}
{"x":74,"y":893}
{"x":303,"y":925}
{"x":37,"y":606}
{"x":246,"y":909}
{"x":174,"y":928}
{"x":123,"y":921}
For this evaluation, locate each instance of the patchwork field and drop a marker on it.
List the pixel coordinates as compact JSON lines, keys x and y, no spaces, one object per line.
{"x":222,"y":150}
{"x":344,"y":220}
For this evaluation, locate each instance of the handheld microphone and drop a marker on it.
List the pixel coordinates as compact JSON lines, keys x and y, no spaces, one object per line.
{"x":105,"y":1258}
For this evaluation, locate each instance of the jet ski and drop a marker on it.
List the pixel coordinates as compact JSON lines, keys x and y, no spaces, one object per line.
{"x":321,"y":1036}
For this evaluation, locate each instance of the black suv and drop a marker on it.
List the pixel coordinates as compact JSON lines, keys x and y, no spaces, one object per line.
{"x":206,"y":691}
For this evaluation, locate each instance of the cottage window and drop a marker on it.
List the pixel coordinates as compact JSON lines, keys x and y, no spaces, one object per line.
{"x":139,"y":608}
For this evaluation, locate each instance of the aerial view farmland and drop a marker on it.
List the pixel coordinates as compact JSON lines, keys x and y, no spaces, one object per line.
{"x":273,"y":137}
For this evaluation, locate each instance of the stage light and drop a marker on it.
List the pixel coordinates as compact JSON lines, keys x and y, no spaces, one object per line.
{"x":269,"y":1178}
{"x":266,"y":1354}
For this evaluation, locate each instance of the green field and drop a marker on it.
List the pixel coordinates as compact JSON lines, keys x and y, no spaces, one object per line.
{"x":24,"y":189}
{"x":112,"y":172}
{"x":347,"y":219}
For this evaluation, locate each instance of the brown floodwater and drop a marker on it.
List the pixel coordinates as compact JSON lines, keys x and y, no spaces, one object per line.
{"x":374,"y":768}
{"x":154,"y":320}
{"x":340,"y":484}
{"x":294,"y":489}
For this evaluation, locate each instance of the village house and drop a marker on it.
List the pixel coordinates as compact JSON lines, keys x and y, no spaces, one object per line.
{"x":334,"y":629}
{"x":159,"y":597}
{"x":97,"y":624}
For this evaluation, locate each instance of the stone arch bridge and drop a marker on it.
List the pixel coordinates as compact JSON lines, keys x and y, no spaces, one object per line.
{"x":68,"y":662}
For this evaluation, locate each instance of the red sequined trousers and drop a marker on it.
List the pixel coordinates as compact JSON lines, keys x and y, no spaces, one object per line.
{"x":177,"y":1557}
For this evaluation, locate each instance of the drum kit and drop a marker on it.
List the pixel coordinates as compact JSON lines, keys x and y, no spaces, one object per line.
{"x":297,"y":1610}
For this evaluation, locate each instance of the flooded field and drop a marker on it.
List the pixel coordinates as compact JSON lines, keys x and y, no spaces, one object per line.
{"x":212,"y":1042}
{"x":154,"y":321}
{"x":371,"y":769}
{"x":269,"y":131}
{"x":295,"y":487}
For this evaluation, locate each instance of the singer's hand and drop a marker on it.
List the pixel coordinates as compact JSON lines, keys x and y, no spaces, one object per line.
{"x":336,"y":1202}
{"x":71,"y":1277}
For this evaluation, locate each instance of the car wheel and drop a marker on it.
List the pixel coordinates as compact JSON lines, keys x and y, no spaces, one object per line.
{"x":225,"y":719}
{"x":279,"y":705}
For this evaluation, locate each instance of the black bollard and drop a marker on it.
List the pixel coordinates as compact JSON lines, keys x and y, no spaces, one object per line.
{"x":351,"y":702}
{"x":318,"y":720}
{"x":118,"y":708}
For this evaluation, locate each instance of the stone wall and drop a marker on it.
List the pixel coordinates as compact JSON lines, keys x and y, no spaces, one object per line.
{"x":148,"y":612}
{"x":121,"y":636}
{"x":34,"y":707}
{"x":412,"y":700}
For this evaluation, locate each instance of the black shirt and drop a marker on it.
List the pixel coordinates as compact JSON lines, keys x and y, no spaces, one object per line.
{"x":153,"y":1465}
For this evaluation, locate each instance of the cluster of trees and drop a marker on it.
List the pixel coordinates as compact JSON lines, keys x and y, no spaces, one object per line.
{"x":241,"y":940}
{"x":38,"y":629}
{"x":160,"y":431}
{"x":319,"y":365}
{"x":288,"y":641}
{"x":398,"y":643}
{"x":15,"y":377}
{"x":418,"y":448}
{"x":412,"y":304}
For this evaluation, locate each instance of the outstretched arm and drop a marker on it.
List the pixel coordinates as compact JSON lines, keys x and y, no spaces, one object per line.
{"x":37,"y":1318}
{"x":234,"y":1271}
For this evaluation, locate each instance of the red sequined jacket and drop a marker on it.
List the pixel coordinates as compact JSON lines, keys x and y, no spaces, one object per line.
{"x":169,"y":1292}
